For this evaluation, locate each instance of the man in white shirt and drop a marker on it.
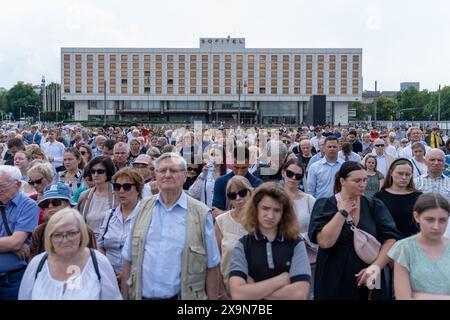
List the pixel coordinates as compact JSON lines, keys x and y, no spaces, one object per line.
{"x":54,"y":150}
{"x":384,"y":160}
{"x":415,"y":135}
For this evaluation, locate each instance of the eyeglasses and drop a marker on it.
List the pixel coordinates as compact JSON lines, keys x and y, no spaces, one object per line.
{"x":125,"y":186}
{"x":54,"y":202}
{"x":379,"y":145}
{"x":192,"y":169}
{"x":139,"y":165}
{"x":233,"y":195}
{"x":98,"y":171}
{"x":83,"y":152}
{"x":70,"y":235}
{"x":290,"y":174}
{"x":38,"y":181}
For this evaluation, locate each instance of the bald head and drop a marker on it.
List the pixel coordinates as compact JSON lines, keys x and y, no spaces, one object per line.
{"x":436,"y":162}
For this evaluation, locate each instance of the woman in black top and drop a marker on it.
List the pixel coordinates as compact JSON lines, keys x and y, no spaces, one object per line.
{"x":399,"y":195}
{"x":340,"y":273}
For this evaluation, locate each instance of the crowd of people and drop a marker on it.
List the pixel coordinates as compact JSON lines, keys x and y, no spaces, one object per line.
{"x":192,"y":214}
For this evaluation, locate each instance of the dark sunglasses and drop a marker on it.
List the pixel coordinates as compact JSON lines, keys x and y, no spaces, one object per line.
{"x":54,"y":202}
{"x":83,"y":152}
{"x":99,"y":171}
{"x":125,"y":186}
{"x":192,"y":169}
{"x":38,"y":181}
{"x":379,"y":145}
{"x":290,"y":174}
{"x":233,"y":195}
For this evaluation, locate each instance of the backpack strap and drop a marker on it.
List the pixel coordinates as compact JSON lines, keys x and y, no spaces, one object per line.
{"x":95,"y":262}
{"x":40,"y":265}
{"x":107,"y":223}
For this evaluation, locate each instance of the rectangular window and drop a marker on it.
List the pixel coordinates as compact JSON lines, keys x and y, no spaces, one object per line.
{"x":296,"y":90}
{"x":239,"y":58}
{"x":343,"y":74}
{"x":274,"y":66}
{"x":216,"y":74}
{"x":251,"y":66}
{"x":181,"y":90}
{"x":204,"y":65}
{"x":309,"y":74}
{"x":227,"y":90}
{"x":170,"y":58}
{"x":78,"y":73}
{"x":204,"y":90}
{"x":228,"y":66}
{"x":135,"y":82}
{"x":320,"y":66}
{"x":124,"y":81}
{"x":193,"y":58}
{"x":181,"y":65}
{"x":216,"y":90}
{"x":193,"y":65}
{"x":193,"y":74}
{"x":216,"y":66}
{"x":308,"y":82}
{"x":66,"y":73}
{"x":262,"y":82}
{"x":273,"y":90}
{"x":112,"y":57}
{"x":297,"y":74}
{"x":309,"y":58}
{"x":158,"y":73}
{"x":356,"y":58}
{"x":124,"y":73}
{"x":170,"y":90}
{"x":251,"y":74}
{"x":181,"y":82}
{"x":124,"y":65}
{"x":262,"y":90}
{"x":66,"y":65}
{"x":356,"y":66}
{"x":204,"y":82}
{"x":158,"y":90}
{"x":170,"y":74}
{"x":66,"y":89}
{"x":193,"y":82}
{"x":332,"y":66}
{"x":124,"y":90}
{"x":135,"y":90}
{"x":112,"y":89}
{"x":136,"y":65}
{"x":181,"y":74}
{"x":90,"y":65}
{"x":285,"y":90}
{"x":343,"y":66}
{"x":67,"y":57}
{"x":227,"y":82}
{"x":308,"y":90}
{"x":355,"y":83}
{"x":297,"y":83}
{"x":78,"y":65}
{"x":216,"y":58}
{"x":343,"y":90}
{"x":250,"y":90}
{"x":78,"y":57}
{"x":239,"y":65}
{"x":90,"y":74}
{"x":273,"y":74}
{"x":262,"y":74}
{"x":158,"y":57}
{"x":309,"y":66}
{"x":332,"y":58}
{"x":193,"y":90}
{"x":239,"y":74}
{"x":343,"y":58}
{"x":332,"y":90}
{"x":355,"y":74}
{"x":147,"y":58}
{"x":227,"y":57}
{"x":112,"y":65}
{"x":181,"y":58}
{"x":78,"y":89}
{"x":320,"y":58}
{"x":343,"y":82}
{"x":286,"y":82}
{"x":135,"y":57}
{"x":297,"y":58}
{"x":332,"y":82}
{"x":355,"y":91}
{"x":250,"y":58}
{"x":216,"y":82}
{"x":320,"y":74}
{"x":285,"y":74}
{"x":136,"y":73}
{"x":124,"y":57}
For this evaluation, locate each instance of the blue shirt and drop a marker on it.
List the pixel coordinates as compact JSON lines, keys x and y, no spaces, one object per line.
{"x":22,"y":214}
{"x":163,"y":249}
{"x":321,"y":176}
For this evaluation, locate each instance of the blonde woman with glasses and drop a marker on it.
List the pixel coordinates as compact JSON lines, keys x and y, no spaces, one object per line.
{"x":68,"y":270}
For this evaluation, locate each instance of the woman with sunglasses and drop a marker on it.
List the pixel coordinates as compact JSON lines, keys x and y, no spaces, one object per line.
{"x":94,"y":202}
{"x":86,"y":154}
{"x":340,"y":272}
{"x":303,"y":203}
{"x":193,"y":171}
{"x":55,"y":197}
{"x":68,"y":269}
{"x":399,"y":194}
{"x":228,"y":227}
{"x":270,"y":262}
{"x":128,"y":184}
{"x":73,"y":173}
{"x":40,"y":176}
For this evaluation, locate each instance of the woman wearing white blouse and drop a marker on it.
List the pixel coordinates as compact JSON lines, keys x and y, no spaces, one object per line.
{"x":68,"y":270}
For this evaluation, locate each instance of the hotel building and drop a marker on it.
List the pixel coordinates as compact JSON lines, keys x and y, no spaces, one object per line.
{"x":222,"y":80}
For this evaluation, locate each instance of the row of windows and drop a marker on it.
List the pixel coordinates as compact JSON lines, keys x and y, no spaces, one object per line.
{"x":216,"y":58}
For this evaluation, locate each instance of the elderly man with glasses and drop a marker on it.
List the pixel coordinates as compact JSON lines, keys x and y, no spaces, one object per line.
{"x":19,"y":217}
{"x":384,"y":160}
{"x":171,"y":252}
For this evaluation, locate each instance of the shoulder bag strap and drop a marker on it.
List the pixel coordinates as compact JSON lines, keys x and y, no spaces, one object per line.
{"x":107,"y":223}
{"x":95,"y":263}
{"x":5,"y":221}
{"x":40,"y":265}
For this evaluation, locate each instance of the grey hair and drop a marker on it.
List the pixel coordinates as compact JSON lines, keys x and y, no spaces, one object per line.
{"x":169,"y":155}
{"x":277,"y":147}
{"x":13,"y":173}
{"x":122,"y":144}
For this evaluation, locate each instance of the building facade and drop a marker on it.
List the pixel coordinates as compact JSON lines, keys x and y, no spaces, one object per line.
{"x":221,"y":81}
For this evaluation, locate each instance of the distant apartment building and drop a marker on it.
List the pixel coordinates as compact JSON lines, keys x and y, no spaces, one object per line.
{"x":219,"y":81}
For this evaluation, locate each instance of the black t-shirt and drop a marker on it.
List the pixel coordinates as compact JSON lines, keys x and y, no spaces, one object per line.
{"x":401,"y":208}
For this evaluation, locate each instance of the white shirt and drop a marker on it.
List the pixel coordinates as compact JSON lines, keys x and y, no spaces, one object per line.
{"x":406,"y":152}
{"x":55,"y":149}
{"x":390,"y":150}
{"x":84,"y":286}
{"x":382,"y":164}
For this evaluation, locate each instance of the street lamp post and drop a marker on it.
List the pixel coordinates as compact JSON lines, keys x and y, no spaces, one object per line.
{"x":375,"y":103}
{"x":439,"y":105}
{"x":239,"y":99}
{"x":104,"y":102}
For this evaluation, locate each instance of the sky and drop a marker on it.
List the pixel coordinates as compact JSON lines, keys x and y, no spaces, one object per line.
{"x":401,"y":40}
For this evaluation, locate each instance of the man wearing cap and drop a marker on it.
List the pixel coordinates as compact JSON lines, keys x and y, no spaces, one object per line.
{"x":19,"y":217}
{"x":146,"y":168}
{"x":56,"y":197}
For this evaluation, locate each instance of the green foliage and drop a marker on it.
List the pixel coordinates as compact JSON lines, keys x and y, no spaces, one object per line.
{"x":22,"y":96}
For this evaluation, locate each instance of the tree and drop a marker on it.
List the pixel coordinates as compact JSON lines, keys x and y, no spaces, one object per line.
{"x":21,"y":96}
{"x":431,"y":109}
{"x":412,"y":104}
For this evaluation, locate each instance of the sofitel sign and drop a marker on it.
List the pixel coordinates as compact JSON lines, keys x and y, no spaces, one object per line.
{"x":239,"y":42}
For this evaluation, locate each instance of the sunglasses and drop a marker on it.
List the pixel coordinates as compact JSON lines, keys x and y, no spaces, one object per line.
{"x":83,"y":152}
{"x":290,"y":174}
{"x":192,"y":169}
{"x":379,"y":145}
{"x":54,"y":202}
{"x":38,"y":181}
{"x":233,"y":195}
{"x":99,"y":171}
{"x":125,"y":186}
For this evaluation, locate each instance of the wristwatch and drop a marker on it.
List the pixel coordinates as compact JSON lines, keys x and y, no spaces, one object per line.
{"x":344,"y":213}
